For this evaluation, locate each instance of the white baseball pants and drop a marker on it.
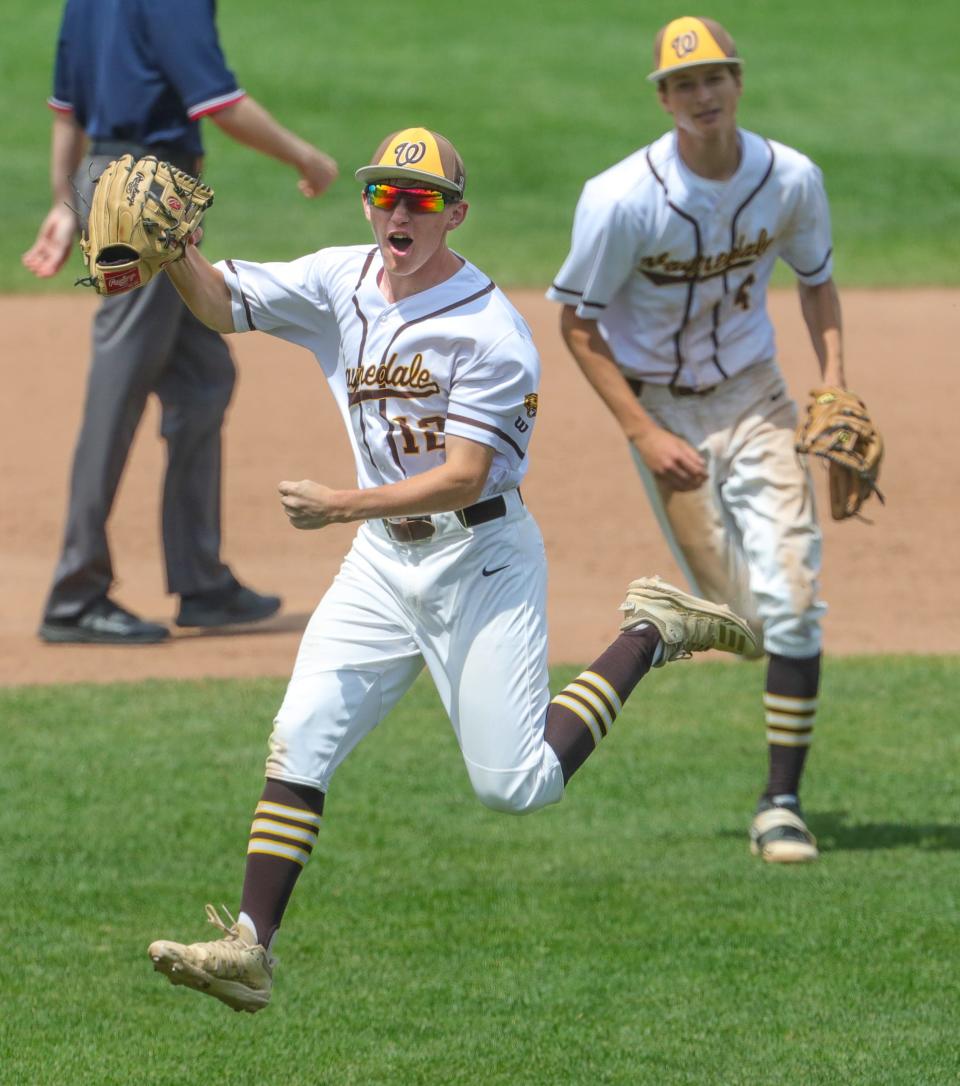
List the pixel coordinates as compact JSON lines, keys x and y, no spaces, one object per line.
{"x":749,"y":536}
{"x":471,"y":604}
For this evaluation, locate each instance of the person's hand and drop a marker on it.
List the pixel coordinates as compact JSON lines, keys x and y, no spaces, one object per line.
{"x":671,"y":459}
{"x":318,"y":171}
{"x":309,"y":505}
{"x":53,"y":243}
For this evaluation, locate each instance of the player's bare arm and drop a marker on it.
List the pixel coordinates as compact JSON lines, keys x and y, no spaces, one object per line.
{"x":203,"y":289}
{"x":670,"y":458}
{"x":455,"y":484}
{"x":58,"y":230}
{"x":820,"y":306}
{"x":251,"y":124}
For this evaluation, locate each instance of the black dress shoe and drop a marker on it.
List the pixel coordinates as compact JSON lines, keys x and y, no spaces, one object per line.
{"x":102,"y":623}
{"x":226,"y":607}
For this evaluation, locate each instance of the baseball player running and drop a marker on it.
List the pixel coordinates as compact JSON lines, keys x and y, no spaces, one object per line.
{"x":436,"y":377}
{"x":664,"y":309}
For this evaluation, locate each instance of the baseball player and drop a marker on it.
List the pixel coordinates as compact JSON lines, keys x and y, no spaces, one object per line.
{"x":138,"y":77}
{"x":664,"y":309}
{"x":436,"y":377}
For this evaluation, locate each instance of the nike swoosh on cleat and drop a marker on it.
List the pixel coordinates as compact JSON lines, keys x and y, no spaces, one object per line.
{"x":489,"y":572}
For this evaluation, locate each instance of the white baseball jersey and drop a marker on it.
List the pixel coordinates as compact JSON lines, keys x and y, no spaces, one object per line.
{"x":454,"y":359}
{"x":674,"y":267}
{"x":469,"y":601}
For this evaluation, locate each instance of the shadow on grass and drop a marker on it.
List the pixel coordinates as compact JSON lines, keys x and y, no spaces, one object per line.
{"x":836,"y":833}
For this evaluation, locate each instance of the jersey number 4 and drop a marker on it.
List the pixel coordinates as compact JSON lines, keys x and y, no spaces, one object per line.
{"x":742,"y":297}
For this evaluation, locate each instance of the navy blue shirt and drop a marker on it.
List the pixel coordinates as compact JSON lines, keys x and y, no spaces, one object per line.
{"x":141,"y":72}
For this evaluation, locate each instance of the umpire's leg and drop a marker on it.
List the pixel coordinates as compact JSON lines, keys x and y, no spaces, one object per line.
{"x":132,"y":339}
{"x":195,"y":390}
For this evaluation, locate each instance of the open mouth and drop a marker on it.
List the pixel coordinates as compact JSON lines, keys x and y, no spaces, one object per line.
{"x":399,"y":242}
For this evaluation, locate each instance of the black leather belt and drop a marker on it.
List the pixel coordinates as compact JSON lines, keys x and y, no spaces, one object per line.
{"x":636,"y":387}
{"x":183,"y":160}
{"x":420,"y":529}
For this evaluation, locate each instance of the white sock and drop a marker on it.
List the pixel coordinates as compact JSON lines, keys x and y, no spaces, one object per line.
{"x":786,"y":797}
{"x":244,"y":921}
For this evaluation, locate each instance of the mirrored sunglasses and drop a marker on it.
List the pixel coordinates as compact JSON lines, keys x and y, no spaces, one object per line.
{"x":386,"y":197}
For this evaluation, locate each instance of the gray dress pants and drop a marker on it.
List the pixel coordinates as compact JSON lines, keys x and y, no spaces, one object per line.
{"x":147,"y":341}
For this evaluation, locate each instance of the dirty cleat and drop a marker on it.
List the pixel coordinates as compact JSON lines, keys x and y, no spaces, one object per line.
{"x":778,"y":833}
{"x":233,"y":969}
{"x":686,"y":624}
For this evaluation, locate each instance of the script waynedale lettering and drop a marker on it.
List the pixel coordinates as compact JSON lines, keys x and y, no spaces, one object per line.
{"x":663,"y":268}
{"x":391,"y":375}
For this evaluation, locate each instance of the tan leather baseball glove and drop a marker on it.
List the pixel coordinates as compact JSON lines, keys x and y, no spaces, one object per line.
{"x":838,"y":428}
{"x":141,"y":215}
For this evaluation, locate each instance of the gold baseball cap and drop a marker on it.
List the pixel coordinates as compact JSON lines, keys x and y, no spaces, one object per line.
{"x":690,"y":42}
{"x":417,"y":154}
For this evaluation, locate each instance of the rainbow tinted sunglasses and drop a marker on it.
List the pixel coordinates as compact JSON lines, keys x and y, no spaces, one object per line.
{"x":386,"y":197}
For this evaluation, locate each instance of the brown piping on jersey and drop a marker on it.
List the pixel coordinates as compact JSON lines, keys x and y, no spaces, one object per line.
{"x":390,"y":439}
{"x":436,"y":313}
{"x":358,"y":400}
{"x":243,"y":297}
{"x":363,"y":343}
{"x":697,"y":259}
{"x":363,"y":339}
{"x":819,"y":268}
{"x":579,"y":294}
{"x":736,"y":214}
{"x":733,"y":245}
{"x":356,"y":303}
{"x":691,"y":286}
{"x":492,"y":430}
{"x":716,"y":341}
{"x":366,"y":267}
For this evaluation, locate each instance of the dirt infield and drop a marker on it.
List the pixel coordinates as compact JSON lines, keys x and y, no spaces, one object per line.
{"x":891,"y":587}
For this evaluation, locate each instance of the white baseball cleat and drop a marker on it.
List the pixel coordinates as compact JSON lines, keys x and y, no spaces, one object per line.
{"x":779,"y":835}
{"x":686,"y":624}
{"x":234,"y":970}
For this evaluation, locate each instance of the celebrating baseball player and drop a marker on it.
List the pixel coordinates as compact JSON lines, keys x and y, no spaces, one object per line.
{"x":436,"y":377}
{"x":664,"y":309}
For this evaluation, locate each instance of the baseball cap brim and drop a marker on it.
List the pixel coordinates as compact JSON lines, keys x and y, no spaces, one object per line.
{"x":366,"y":174}
{"x":661,"y":73}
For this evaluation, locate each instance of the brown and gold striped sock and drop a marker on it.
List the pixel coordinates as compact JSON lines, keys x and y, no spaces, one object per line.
{"x":284,"y":831}
{"x":584,"y":710}
{"x":790,"y":704}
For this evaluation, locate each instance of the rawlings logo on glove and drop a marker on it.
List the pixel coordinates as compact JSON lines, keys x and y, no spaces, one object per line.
{"x":839,"y":429}
{"x":141,"y":216}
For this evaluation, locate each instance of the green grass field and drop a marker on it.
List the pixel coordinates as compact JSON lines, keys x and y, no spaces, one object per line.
{"x":625,"y":936}
{"x":538,"y":99}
